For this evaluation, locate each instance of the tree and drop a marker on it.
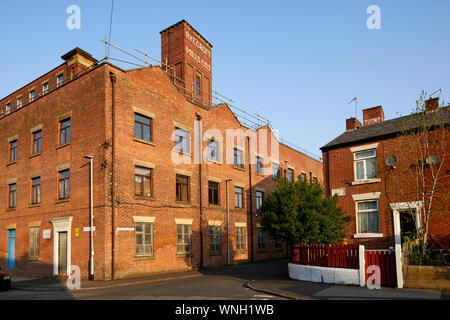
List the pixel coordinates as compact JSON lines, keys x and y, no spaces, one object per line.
{"x":299,"y":213}
{"x":421,"y":174}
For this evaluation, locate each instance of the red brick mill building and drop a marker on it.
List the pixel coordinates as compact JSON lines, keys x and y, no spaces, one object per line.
{"x":355,"y":170}
{"x":156,"y":207}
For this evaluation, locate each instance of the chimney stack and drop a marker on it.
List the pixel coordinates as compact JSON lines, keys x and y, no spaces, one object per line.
{"x":352,"y":124}
{"x":432,"y":104}
{"x":373,"y":115}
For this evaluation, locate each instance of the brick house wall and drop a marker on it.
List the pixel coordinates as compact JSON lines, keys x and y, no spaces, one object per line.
{"x":88,"y":100}
{"x":339,"y":177}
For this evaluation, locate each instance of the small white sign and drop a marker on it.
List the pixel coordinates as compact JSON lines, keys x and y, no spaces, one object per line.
{"x":125,"y":229}
{"x":88,"y":229}
{"x":47,"y":234}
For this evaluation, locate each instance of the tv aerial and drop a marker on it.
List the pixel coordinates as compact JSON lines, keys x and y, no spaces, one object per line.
{"x":391,"y":160}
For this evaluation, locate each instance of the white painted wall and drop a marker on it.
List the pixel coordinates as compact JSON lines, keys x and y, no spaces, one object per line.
{"x":325,"y":275}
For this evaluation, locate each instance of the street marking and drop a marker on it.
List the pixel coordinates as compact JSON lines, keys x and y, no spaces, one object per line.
{"x":262,"y":296}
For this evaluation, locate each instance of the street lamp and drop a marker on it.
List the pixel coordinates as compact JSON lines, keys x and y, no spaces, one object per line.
{"x":91,"y":218}
{"x":228,"y":226}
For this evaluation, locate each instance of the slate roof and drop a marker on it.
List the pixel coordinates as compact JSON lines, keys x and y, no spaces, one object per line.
{"x":383,"y":130}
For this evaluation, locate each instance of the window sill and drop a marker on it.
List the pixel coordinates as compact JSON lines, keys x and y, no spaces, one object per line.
{"x":184,"y":255}
{"x":215,"y":254}
{"x":35,"y":155}
{"x":213,"y":161}
{"x":214,"y":206}
{"x":11,"y":163}
{"x":182,"y":202}
{"x":367,"y":235}
{"x":259,"y":174}
{"x":239,"y":209}
{"x":261,"y":251}
{"x":10,"y":209}
{"x":62,"y":146}
{"x":241,"y":251}
{"x":367,"y":181}
{"x":144,"y":141}
{"x":62,"y":200}
{"x":239,"y":168}
{"x":34,"y":259}
{"x":143,"y":258}
{"x":34,"y":205}
{"x":144,"y":198}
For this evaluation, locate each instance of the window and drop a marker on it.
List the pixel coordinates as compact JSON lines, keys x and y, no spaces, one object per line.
{"x":8,"y":108}
{"x":238,"y":197}
{"x":13,"y":151}
{"x":275,"y":171}
{"x":59,"y":80}
{"x":258,"y":166}
{"x":303,"y":177}
{"x":215,"y":246}
{"x":64,"y":183}
{"x":290,"y":176}
{"x":36,"y":190}
{"x":278,"y":245}
{"x":238,"y":161}
{"x":19,"y":102}
{"x":45,"y":87}
{"x":261,"y":239}
{"x":213,"y":193}
{"x":259,"y":200}
{"x":367,"y":214}
{"x":365,"y":165}
{"x":143,"y":239}
{"x":315,"y":180}
{"x":240,"y":238}
{"x":212,"y":150}
{"x":182,"y":140}
{"x":142,"y":182}
{"x":12,"y":196}
{"x":37,"y":141}
{"x":64,"y":131}
{"x":31,"y":95}
{"x":197,"y":85}
{"x":142,"y":127}
{"x":183,"y":239}
{"x":182,"y":186}
{"x":34,"y":242}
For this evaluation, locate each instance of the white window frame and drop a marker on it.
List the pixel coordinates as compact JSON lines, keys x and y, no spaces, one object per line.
{"x":215,"y":144}
{"x":364,"y":162}
{"x":184,"y":243}
{"x":186,"y":135}
{"x":368,"y":234}
{"x":151,"y":244}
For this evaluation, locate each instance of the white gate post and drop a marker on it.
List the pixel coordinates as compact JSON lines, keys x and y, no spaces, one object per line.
{"x":398,"y":265}
{"x":362,"y":265}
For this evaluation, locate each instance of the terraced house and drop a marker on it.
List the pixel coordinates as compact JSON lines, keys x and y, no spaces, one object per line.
{"x":175,"y":185}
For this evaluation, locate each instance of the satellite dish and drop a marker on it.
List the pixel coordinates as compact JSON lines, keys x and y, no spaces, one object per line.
{"x":391,"y":160}
{"x":432,"y":160}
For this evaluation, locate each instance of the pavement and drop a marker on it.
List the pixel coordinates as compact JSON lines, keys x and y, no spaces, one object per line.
{"x":264,"y":278}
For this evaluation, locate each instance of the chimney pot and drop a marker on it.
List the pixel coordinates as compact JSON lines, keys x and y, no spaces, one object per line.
{"x":352,"y":124}
{"x":432,"y":104}
{"x":373,"y":115}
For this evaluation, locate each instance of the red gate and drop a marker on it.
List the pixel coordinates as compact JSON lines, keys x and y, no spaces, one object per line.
{"x":385,"y":260}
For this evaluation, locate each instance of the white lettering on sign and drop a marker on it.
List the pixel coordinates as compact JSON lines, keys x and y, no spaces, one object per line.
{"x":197,"y":58}
{"x":198,"y":44}
{"x":47,"y":234}
{"x":88,"y":229}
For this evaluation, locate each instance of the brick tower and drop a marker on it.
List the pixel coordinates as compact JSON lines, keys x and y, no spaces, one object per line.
{"x":188,"y":56}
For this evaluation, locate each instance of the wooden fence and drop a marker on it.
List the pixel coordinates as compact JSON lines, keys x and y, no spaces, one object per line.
{"x":326,"y":255}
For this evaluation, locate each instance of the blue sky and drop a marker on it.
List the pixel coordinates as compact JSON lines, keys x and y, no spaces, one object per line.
{"x":297,"y":63}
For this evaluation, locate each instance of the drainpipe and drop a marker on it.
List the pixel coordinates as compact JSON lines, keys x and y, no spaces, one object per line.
{"x":199,"y":147}
{"x":251,"y":200}
{"x":113,"y":79}
{"x":228,"y":225}
{"x":91,"y":217}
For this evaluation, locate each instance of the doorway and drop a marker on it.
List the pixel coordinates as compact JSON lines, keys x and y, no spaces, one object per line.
{"x":62,"y":253}
{"x":11,"y":248}
{"x":408,"y":231}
